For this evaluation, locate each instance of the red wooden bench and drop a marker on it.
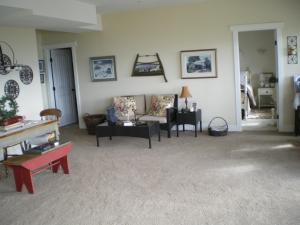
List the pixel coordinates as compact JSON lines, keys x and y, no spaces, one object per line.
{"x":26,"y":166}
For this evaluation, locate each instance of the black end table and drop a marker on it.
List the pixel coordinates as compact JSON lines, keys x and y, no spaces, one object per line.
{"x":192,"y":118}
{"x":142,"y":130}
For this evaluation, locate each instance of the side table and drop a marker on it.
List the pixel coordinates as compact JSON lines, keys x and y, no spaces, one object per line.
{"x":192,"y":118}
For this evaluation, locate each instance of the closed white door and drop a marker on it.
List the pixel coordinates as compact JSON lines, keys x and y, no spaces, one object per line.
{"x":64,"y":85}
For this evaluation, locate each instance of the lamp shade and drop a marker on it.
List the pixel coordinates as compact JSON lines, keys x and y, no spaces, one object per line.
{"x":185,"y":93}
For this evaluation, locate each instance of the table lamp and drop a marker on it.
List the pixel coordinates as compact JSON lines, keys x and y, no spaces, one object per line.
{"x":185,"y":93}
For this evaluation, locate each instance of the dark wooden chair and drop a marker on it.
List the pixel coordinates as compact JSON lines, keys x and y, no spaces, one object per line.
{"x":172,"y":115}
{"x":51,"y":113}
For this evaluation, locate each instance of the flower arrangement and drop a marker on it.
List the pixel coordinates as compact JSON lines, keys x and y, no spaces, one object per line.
{"x":8,"y":108}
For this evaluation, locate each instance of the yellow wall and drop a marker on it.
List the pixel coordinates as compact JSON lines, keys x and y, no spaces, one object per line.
{"x":23,"y":42}
{"x":169,"y":30}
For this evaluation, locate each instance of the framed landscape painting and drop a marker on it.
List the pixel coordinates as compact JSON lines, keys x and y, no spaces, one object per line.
{"x":199,"y":64}
{"x":103,"y":68}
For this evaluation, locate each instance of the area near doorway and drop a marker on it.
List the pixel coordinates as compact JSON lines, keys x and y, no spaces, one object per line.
{"x":258,"y":72}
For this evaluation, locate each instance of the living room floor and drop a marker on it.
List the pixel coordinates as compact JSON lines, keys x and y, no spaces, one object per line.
{"x":243,"y":178}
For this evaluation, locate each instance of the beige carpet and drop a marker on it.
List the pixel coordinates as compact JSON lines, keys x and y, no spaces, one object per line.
{"x":241,"y":179}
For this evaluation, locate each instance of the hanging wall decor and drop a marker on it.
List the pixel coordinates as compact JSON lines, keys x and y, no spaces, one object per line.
{"x":26,"y":75}
{"x":6,"y":62}
{"x":148,"y":65}
{"x":292,"y":50}
{"x":103,"y":68}
{"x":199,"y":63}
{"x":11,"y":89}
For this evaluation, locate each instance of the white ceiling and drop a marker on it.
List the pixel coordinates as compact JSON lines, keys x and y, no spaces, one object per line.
{"x":81,"y":15}
{"x":108,"y":6}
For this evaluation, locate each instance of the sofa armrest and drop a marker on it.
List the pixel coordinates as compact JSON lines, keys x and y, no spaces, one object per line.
{"x":171,"y":114}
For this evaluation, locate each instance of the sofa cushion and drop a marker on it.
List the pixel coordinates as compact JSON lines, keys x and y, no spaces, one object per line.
{"x":160,"y":119}
{"x":125,"y":107}
{"x":159,"y":104}
{"x":140,"y":104}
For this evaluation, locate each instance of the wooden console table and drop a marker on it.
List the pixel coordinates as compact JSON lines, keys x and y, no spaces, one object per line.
{"x":30,"y":130}
{"x":26,"y":166}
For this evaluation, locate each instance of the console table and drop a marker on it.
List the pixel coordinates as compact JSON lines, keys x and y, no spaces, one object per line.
{"x":31,"y":129}
{"x":192,"y":118}
{"x":142,"y":130}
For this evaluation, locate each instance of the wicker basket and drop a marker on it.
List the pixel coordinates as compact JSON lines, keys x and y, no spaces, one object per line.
{"x":217,"y":130}
{"x":91,"y":121}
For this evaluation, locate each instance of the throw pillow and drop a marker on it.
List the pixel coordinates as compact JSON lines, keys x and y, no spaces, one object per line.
{"x":159,"y":104}
{"x":125,"y":107}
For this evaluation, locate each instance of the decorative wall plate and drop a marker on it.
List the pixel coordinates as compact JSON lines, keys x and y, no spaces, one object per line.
{"x":26,"y":75}
{"x":7,"y":62}
{"x":11,"y":89}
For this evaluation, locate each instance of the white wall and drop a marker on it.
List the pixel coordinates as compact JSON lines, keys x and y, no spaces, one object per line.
{"x":23,"y":42}
{"x":257,"y":53}
{"x":168,"y":31}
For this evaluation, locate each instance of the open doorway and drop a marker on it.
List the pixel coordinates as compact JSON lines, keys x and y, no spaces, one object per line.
{"x":61,"y":83}
{"x":272,"y":103}
{"x":258,"y":79}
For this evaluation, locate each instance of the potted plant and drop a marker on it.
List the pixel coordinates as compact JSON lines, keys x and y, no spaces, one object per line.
{"x":8,"y":111}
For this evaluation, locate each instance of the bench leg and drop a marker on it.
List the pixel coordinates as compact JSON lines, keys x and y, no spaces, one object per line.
{"x":18,"y":178}
{"x":64,"y":164}
{"x":27,"y":177}
{"x":56,"y":166}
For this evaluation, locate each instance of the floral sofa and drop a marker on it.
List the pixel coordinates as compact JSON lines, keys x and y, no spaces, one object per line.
{"x":162,"y":108}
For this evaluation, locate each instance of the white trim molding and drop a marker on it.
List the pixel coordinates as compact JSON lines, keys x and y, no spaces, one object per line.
{"x":277,"y":27}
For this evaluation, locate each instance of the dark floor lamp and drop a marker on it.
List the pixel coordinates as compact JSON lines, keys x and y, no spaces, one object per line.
{"x":185,"y":93}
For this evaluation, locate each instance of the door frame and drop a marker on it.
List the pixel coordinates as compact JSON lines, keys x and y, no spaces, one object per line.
{"x":277,"y":27}
{"x":46,"y":50}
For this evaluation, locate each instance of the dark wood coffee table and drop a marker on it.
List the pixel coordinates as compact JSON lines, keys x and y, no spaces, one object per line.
{"x":142,"y":130}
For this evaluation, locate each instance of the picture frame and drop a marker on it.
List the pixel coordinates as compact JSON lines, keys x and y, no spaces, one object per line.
{"x":103,"y":68}
{"x":42,"y":66}
{"x":199,"y":64}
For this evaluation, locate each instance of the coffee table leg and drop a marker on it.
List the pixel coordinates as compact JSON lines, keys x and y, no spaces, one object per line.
{"x":150,"y":146}
{"x":97,"y":139}
{"x":158,"y":134}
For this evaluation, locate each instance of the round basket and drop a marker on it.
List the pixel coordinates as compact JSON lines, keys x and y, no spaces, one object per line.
{"x":220,"y":130}
{"x":91,"y":121}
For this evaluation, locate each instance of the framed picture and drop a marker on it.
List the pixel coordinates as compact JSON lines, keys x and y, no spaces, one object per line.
{"x":103,"y":68}
{"x":42,"y":66}
{"x":199,"y":64}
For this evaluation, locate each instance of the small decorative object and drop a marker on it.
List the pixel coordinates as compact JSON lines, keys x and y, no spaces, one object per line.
{"x":8,"y":61}
{"x":264,"y":79}
{"x":272,"y":81}
{"x":8,"y":108}
{"x":216,"y":129}
{"x":26,"y":75}
{"x":185,"y":93}
{"x":111,"y":116}
{"x":194,"y":106}
{"x":148,"y":65}
{"x":103,"y":68}
{"x":292,"y":50}
{"x":199,"y":64}
{"x":11,"y":89}
{"x":42,"y":66}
